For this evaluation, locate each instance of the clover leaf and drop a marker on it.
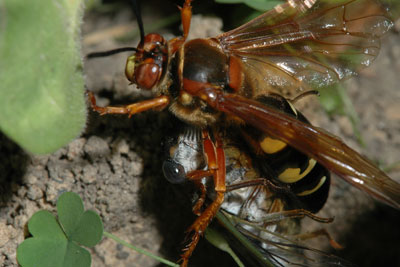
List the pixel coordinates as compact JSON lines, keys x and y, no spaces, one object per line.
{"x":56,"y":243}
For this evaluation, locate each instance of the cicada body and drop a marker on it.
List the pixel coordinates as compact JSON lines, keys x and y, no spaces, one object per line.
{"x":260,"y":214}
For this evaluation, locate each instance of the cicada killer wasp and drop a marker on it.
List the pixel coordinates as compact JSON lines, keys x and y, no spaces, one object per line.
{"x":233,"y":81}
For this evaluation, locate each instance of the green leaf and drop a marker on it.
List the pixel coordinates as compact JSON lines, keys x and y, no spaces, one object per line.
{"x":230,"y":1}
{"x":335,"y":100}
{"x":140,"y":250}
{"x":48,"y":244}
{"x":260,"y":5}
{"x":54,"y":244}
{"x":41,"y":252}
{"x":331,"y":100}
{"x":227,"y":220}
{"x":89,"y":230}
{"x":76,"y":256}
{"x":69,"y":209}
{"x":86,"y":227}
{"x":219,"y":241}
{"x":42,"y":103}
{"x":45,"y":225}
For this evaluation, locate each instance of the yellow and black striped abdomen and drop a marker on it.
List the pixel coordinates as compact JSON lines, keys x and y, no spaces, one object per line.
{"x":308,"y":180}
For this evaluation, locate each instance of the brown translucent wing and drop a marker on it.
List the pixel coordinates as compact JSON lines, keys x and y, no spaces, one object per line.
{"x":306,"y":43}
{"x":327,"y":149}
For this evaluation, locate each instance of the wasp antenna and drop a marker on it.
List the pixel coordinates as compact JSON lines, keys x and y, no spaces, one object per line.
{"x":136,"y":9}
{"x":110,"y":52}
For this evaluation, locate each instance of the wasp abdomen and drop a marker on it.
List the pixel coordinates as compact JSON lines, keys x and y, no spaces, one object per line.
{"x":306,"y":178}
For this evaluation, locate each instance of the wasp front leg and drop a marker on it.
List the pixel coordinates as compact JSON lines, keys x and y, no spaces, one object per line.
{"x":215,"y":157}
{"x":154,"y":103}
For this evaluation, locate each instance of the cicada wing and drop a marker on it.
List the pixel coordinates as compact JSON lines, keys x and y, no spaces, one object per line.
{"x":327,"y":149}
{"x":278,"y":250}
{"x":308,"y":43}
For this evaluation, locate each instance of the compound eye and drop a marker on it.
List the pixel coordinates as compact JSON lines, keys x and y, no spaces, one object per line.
{"x":147,"y":74}
{"x":173,"y":172}
{"x":130,"y":68}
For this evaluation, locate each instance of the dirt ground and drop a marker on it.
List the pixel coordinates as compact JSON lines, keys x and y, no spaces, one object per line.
{"x":115,"y":166}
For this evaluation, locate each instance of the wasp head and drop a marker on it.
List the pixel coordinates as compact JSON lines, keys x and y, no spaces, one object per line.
{"x":146,"y":66}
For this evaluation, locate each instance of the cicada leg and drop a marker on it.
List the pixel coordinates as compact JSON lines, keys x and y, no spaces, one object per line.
{"x":320,"y":232}
{"x":276,"y":212}
{"x":275,"y":217}
{"x":202,"y":198}
{"x":216,"y":167}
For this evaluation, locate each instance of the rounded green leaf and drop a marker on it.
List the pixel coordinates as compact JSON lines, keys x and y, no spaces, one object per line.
{"x":44,"y":224}
{"x":86,"y":228}
{"x":42,"y":103}
{"x":90,"y":229}
{"x":70,"y":210}
{"x":54,"y":243}
{"x":41,"y":251}
{"x":48,"y":244}
{"x":76,"y":256}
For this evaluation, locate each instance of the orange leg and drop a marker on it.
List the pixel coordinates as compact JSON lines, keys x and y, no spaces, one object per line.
{"x":186,"y":16}
{"x":216,"y":164}
{"x":200,"y":202}
{"x":196,"y":177}
{"x":154,"y":103}
{"x":321,"y":232}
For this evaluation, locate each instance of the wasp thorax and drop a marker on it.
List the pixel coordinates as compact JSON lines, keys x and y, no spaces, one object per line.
{"x":146,"y":67}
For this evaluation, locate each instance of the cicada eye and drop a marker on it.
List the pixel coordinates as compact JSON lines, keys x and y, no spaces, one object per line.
{"x":173,"y":172}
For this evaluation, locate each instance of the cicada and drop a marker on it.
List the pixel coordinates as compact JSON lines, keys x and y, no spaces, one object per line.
{"x":261,"y":219}
{"x":241,"y":80}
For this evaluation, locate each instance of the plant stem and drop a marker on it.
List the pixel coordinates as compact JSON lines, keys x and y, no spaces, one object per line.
{"x":142,"y":251}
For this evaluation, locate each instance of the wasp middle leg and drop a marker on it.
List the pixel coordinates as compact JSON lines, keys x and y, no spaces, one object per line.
{"x":215,"y":156}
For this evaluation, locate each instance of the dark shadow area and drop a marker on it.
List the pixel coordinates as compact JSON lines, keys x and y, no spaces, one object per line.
{"x":13,"y":163}
{"x":374,"y":239}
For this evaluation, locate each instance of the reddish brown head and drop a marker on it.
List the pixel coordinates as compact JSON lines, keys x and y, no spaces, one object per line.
{"x":146,"y":66}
